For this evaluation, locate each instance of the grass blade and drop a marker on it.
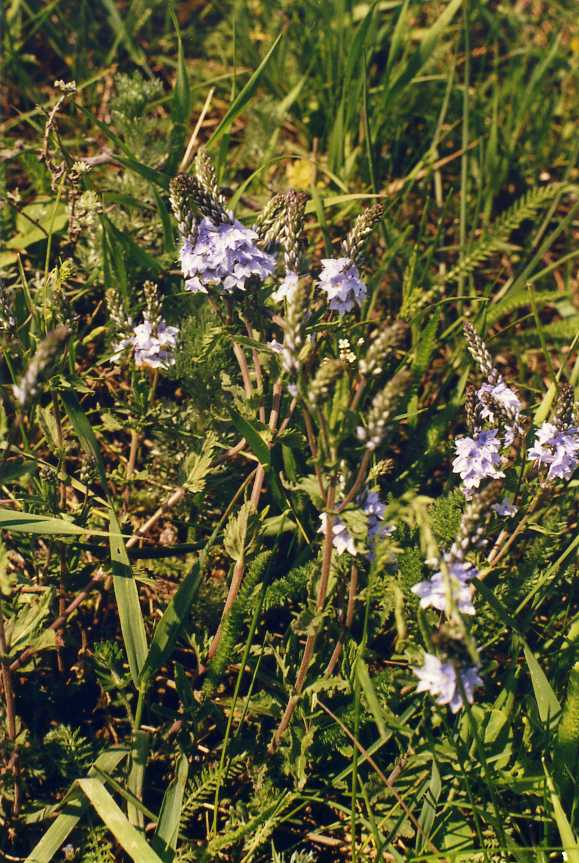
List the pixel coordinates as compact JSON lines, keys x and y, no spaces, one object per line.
{"x":107,"y":809}
{"x":44,"y":525}
{"x":547,"y":702}
{"x":167,"y":833}
{"x":127,"y":597}
{"x":171,"y":624}
{"x":76,"y":806}
{"x":243,"y":96}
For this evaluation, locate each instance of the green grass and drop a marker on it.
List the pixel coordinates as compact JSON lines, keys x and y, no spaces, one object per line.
{"x":460,"y":118}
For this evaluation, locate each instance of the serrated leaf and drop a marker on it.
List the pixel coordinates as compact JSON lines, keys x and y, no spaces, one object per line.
{"x":236,"y":531}
{"x":198,"y":465}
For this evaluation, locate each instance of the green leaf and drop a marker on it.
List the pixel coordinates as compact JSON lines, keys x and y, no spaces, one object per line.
{"x":128,"y":605}
{"x":136,"y":777}
{"x":76,"y":806}
{"x":44,"y":525}
{"x":547,"y":701}
{"x":169,"y":627}
{"x":198,"y":465}
{"x":181,"y":102}
{"x":428,"y":812}
{"x":254,"y":438}
{"x":236,"y":530}
{"x":568,"y":839}
{"x":107,"y":809}
{"x":132,"y":251}
{"x":167,"y":832}
{"x":150,"y":174}
{"x":45,"y":216}
{"x":243,"y":96}
{"x":368,"y":688}
{"x":122,"y":34}
{"x":83,"y":429}
{"x":567,"y":744}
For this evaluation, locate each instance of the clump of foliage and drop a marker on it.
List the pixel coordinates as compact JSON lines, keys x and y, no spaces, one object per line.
{"x":289,"y":435}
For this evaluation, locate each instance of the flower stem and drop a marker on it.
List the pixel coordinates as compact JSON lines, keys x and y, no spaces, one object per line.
{"x":311,"y":639}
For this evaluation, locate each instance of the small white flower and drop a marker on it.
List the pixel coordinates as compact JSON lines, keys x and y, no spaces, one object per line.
{"x":275,"y":346}
{"x":286,"y":288}
{"x":441,"y":679}
{"x":341,"y":282}
{"x":342,"y":539}
{"x":505,"y":509}
{"x":347,"y":355}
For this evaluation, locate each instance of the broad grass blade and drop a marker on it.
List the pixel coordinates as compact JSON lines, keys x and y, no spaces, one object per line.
{"x":422,"y":54}
{"x":76,"y":805}
{"x":167,"y":832}
{"x":127,"y":597}
{"x":83,"y":428}
{"x":44,"y":525}
{"x":547,"y":702}
{"x":107,"y":809}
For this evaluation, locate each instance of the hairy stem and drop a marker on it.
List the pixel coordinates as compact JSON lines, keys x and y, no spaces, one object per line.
{"x":311,"y":639}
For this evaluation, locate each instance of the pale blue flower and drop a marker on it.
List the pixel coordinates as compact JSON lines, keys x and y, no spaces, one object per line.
{"x":509,"y":401}
{"x":559,"y":448}
{"x":478,"y":458}
{"x":225,"y":255}
{"x":340,"y":280}
{"x":441,"y":679}
{"x":342,"y":539}
{"x":505,"y":509}
{"x":434,"y":592}
{"x":153,"y":345}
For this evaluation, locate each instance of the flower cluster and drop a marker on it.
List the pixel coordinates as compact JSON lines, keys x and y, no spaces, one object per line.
{"x":223,"y":254}
{"x":153,"y":344}
{"x":340,"y":280}
{"x":557,"y":447}
{"x":447,"y":679}
{"x":374,"y":509}
{"x":446,"y":683}
{"x":498,"y":402}
{"x":478,"y":458}
{"x":445,"y":593}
